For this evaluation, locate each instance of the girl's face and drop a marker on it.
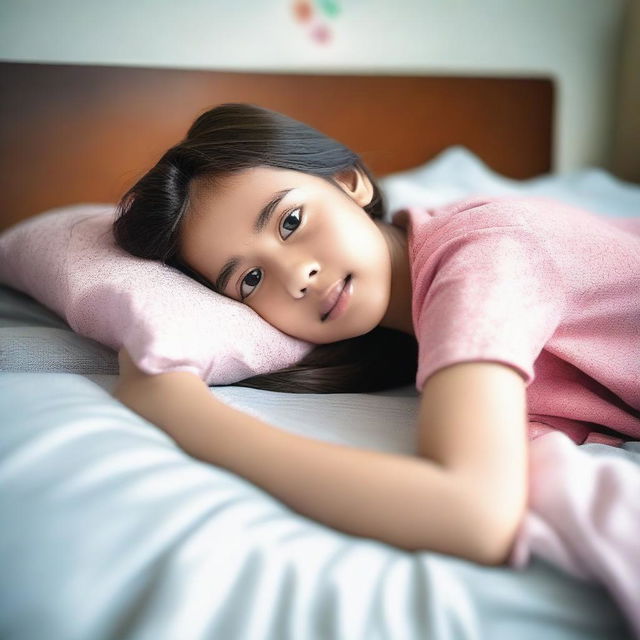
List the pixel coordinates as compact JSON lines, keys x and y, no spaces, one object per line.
{"x":316,"y":236}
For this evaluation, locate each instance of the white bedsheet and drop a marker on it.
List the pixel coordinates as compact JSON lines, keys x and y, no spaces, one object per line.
{"x":111,"y":531}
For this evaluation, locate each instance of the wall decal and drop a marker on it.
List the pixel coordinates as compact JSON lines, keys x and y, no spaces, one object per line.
{"x":315,"y":17}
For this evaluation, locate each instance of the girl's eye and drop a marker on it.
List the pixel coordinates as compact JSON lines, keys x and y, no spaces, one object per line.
{"x":290,"y":221}
{"x":251,"y":279}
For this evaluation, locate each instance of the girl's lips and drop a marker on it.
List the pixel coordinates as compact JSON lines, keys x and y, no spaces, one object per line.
{"x":337,"y":299}
{"x":331,"y":296}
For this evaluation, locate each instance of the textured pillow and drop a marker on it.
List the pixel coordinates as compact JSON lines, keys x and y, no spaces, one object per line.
{"x":67,"y":259}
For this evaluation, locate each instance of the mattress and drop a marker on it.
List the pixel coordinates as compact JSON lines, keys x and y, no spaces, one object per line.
{"x":111,"y":531}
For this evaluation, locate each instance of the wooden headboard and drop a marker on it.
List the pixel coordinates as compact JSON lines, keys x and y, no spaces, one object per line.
{"x":74,"y":133}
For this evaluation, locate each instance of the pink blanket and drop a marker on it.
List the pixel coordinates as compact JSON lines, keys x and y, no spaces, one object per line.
{"x":584,"y":516}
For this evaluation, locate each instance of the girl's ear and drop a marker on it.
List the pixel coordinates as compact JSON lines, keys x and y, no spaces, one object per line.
{"x":356,"y":184}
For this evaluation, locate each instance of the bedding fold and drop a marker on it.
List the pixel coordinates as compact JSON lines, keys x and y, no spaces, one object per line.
{"x":583,"y":516}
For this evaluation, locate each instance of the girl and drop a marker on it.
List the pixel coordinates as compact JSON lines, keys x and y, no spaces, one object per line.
{"x":523,"y":325}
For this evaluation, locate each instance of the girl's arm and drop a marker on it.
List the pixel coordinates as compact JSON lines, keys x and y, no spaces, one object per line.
{"x":465,"y":501}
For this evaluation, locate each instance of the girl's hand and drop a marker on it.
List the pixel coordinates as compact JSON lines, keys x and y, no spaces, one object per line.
{"x":133,"y":382}
{"x":129,"y":374}
{"x":178,"y":402}
{"x":128,"y":369}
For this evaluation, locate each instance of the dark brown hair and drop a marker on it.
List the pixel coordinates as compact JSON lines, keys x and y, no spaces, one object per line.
{"x":231,"y":138}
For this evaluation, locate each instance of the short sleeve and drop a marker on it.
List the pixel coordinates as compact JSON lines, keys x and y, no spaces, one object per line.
{"x":494,"y":295}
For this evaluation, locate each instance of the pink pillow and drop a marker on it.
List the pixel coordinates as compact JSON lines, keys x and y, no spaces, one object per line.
{"x":67,"y":259}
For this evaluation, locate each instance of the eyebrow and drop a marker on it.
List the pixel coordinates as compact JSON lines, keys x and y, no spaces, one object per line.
{"x":261,"y":222}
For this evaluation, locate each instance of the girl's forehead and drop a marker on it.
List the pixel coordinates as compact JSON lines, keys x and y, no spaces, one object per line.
{"x":251,"y":180}
{"x":247,"y":190}
{"x":213,"y":200}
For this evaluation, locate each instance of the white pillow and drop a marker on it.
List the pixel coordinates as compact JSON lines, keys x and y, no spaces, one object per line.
{"x":457,"y":173}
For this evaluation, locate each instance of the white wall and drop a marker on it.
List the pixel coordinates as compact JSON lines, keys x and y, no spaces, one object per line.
{"x":575,"y":41}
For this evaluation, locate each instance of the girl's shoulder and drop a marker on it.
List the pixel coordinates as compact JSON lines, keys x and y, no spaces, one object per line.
{"x":533,"y":215}
{"x":464,"y":217}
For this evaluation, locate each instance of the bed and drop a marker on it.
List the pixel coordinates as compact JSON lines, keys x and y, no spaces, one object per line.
{"x":110,"y":531}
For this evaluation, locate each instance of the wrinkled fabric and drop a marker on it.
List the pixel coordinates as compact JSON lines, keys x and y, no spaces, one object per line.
{"x":583,"y":515}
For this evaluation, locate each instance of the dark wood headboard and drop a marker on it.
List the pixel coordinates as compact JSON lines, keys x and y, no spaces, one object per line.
{"x":74,"y":133}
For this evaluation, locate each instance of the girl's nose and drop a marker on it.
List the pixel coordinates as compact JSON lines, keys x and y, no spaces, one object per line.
{"x":301,"y":279}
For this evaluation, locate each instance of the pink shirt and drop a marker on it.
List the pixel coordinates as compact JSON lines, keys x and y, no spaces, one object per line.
{"x":548,"y":289}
